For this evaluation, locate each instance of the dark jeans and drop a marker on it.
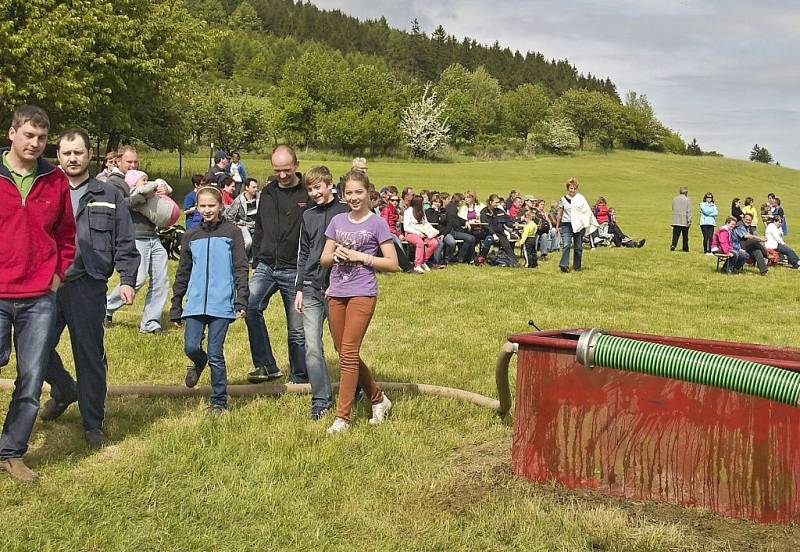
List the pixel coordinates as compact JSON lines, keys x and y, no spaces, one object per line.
{"x":194,"y":328}
{"x":756,"y":249}
{"x":33,"y":321}
{"x":683,"y":232}
{"x":81,"y":308}
{"x":708,"y":233}
{"x":529,"y":252}
{"x":570,"y":239}
{"x":265,"y":282}
{"x":467,"y":251}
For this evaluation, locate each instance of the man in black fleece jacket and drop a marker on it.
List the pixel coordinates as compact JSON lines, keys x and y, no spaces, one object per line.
{"x":275,"y":247}
{"x":312,"y":281}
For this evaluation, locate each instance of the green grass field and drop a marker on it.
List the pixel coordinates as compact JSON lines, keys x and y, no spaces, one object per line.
{"x":437,"y":475}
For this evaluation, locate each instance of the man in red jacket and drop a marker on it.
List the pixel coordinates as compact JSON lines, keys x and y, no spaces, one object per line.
{"x":38,"y":246}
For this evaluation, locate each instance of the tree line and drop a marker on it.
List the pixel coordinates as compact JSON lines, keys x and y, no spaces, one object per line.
{"x":245,"y":74}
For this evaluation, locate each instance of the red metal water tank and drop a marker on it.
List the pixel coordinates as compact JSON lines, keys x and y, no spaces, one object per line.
{"x":653,"y":438}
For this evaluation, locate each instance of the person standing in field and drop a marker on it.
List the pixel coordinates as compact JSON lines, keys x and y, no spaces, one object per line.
{"x":353,"y":240}
{"x":153,"y":257}
{"x":212,"y":274}
{"x":237,"y":171}
{"x":104,"y":242}
{"x":708,"y":220}
{"x":275,"y":241}
{"x":37,"y":248}
{"x":681,"y":218}
{"x":574,"y":218}
{"x":313,"y":280}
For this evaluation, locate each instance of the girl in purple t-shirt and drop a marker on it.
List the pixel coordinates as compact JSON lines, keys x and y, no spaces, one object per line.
{"x":353,"y":239}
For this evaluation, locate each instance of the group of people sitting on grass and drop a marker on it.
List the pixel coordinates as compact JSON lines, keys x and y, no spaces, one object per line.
{"x":432,"y":229}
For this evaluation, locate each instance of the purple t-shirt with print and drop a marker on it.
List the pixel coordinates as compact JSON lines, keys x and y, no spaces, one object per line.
{"x":355,"y":279}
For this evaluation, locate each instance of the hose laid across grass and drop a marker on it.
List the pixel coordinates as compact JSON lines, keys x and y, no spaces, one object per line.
{"x":733,"y":374}
{"x":276,"y":389}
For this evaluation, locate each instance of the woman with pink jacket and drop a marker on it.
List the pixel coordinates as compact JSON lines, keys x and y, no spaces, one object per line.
{"x":721,"y":242}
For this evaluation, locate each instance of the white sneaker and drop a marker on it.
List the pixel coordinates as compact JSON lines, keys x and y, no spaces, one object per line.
{"x":419,"y":270}
{"x":339,"y":425}
{"x":425,"y":267}
{"x":381,"y":410}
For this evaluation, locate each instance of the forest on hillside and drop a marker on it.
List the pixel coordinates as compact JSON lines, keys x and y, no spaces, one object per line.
{"x":246,"y":74}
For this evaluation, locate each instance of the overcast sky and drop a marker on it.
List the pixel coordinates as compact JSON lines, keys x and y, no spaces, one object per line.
{"x":724,"y":72}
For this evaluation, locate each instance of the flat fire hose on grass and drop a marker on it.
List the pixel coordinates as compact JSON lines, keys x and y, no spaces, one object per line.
{"x":272,"y":389}
{"x":724,"y":372}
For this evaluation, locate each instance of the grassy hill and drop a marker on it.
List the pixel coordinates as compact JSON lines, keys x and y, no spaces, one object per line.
{"x":436,"y":476}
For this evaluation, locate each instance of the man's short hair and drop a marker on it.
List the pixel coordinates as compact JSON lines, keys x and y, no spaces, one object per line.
{"x":125,"y":148}
{"x":32,"y":114}
{"x":226,"y":181}
{"x":249,"y":180}
{"x":287,"y":148}
{"x":71,"y":133}
{"x":197,"y":180}
{"x":320,"y":173}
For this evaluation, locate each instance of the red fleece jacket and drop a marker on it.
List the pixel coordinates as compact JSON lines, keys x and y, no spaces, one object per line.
{"x":38,"y":232}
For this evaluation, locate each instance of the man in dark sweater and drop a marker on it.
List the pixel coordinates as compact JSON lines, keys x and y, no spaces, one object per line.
{"x":104,"y":242}
{"x":275,"y":245}
{"x":154,"y":258}
{"x":218,"y":170}
{"x":312,"y":281}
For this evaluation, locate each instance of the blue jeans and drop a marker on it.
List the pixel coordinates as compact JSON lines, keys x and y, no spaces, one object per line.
{"x":33,"y":321}
{"x":153,"y":263}
{"x":570,"y":239}
{"x":542,"y":243}
{"x":194,"y":327}
{"x":265,"y":282}
{"x":467,"y":252}
{"x":315,"y":311}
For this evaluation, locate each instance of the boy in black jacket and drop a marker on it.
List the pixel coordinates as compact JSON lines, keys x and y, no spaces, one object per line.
{"x":275,"y":241}
{"x":312,"y":281}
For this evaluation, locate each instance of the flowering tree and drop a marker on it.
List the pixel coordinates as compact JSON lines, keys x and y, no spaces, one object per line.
{"x":424,"y":125}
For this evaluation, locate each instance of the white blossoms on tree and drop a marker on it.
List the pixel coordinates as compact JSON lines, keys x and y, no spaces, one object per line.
{"x":424,"y":125}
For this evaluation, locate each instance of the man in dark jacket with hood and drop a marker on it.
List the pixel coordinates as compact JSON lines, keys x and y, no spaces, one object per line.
{"x":275,"y":247}
{"x":104,"y":242}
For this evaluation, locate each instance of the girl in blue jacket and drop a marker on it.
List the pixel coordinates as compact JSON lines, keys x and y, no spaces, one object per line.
{"x":212,"y":274}
{"x":708,"y":220}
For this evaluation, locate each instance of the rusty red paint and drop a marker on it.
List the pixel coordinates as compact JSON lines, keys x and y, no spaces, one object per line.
{"x":652,"y":438}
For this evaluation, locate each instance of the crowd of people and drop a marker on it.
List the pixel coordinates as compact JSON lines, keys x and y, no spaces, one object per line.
{"x":738,"y":238}
{"x":66,"y":232}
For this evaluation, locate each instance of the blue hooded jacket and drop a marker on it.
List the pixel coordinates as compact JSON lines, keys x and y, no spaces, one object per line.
{"x":212,"y":272}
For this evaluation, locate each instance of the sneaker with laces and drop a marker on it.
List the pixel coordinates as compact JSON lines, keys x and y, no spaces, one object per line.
{"x":317,"y":413}
{"x":425,"y":267}
{"x":192,"y":375}
{"x":262,"y":374}
{"x":17,"y":469}
{"x":380,"y":410}
{"x":419,"y":270}
{"x":52,"y":409}
{"x":339,"y":425}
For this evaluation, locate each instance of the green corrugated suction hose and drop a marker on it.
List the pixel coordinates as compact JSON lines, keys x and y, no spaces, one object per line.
{"x":720,"y":371}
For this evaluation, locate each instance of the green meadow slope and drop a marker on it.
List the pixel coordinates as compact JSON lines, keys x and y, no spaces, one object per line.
{"x":437,"y":475}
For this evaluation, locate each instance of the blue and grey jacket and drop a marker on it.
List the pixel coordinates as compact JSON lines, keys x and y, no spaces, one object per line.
{"x":212,"y":272}
{"x":104,"y":234}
